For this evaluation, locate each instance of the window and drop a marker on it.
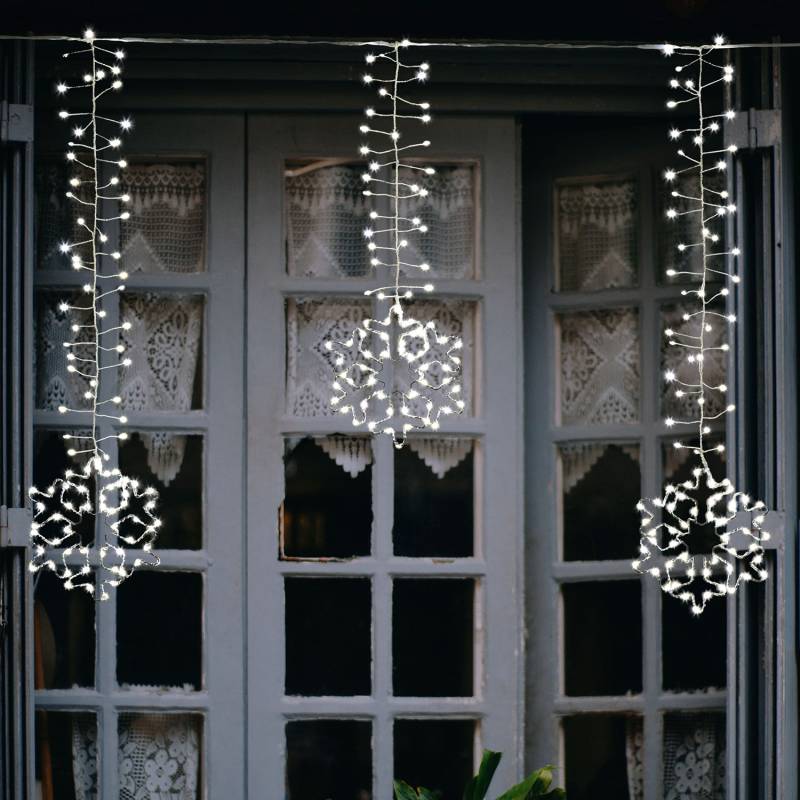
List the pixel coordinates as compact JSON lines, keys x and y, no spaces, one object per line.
{"x":639,"y":688}
{"x":378,"y":575}
{"x":135,"y":690}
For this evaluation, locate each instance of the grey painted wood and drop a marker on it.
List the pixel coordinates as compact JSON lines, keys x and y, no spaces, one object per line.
{"x":498,"y":701}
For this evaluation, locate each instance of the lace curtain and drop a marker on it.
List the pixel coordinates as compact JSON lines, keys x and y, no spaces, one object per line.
{"x":597,"y":237}
{"x":326,"y":214}
{"x":600,"y":367}
{"x":353,"y":454}
{"x":694,"y":757}
{"x":158,"y":757}
{"x":577,"y":458}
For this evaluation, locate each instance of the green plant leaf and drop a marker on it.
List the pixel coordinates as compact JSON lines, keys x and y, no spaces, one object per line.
{"x":477,"y":787}
{"x":402,"y":791}
{"x":428,"y":794}
{"x":534,"y":786}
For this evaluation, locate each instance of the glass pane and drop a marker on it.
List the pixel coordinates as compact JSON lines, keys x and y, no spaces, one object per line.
{"x":683,"y":229}
{"x":160,"y":756}
{"x":327,"y":505}
{"x":173,"y":464}
{"x":694,"y":755}
{"x":326,"y":214}
{"x":449,"y":212}
{"x":674,"y":358}
{"x":603,"y":755}
{"x":55,"y":385}
{"x":309,"y":366}
{"x":51,"y":460}
{"x":168,"y":654}
{"x":703,"y":637}
{"x":434,"y":488}
{"x":600,"y":486}
{"x":435,"y":753}
{"x":328,"y":760}
{"x":678,"y":466}
{"x":433,"y":617}
{"x":328,"y":636}
{"x":452,"y":318}
{"x":166,"y":231}
{"x":66,"y":755}
{"x":165,"y":344}
{"x":599,"y":362}
{"x":56,"y":215}
{"x":602,"y":638}
{"x":597,"y":220}
{"x":63,"y":635}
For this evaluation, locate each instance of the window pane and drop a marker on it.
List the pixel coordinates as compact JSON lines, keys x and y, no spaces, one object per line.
{"x":326,"y":214}
{"x":449,"y":212}
{"x":63,"y":634}
{"x":602,"y":638}
{"x":600,"y":486}
{"x":329,"y":760}
{"x":435,"y":753}
{"x":160,"y":756}
{"x":452,"y":318}
{"x":327,"y":506}
{"x":703,"y":636}
{"x":678,"y":466}
{"x":66,"y":755}
{"x":166,"y":231}
{"x":432,"y":637}
{"x":328,"y":636}
{"x":673,"y":358}
{"x":55,"y":385}
{"x":309,"y":366}
{"x":50,"y":461}
{"x":599,"y":362}
{"x":683,"y":229}
{"x":56,"y":215}
{"x":434,"y":489}
{"x":165,"y":344}
{"x":173,"y":464}
{"x":694,"y":755}
{"x":603,"y":755}
{"x":159,"y":630}
{"x":597,"y":233}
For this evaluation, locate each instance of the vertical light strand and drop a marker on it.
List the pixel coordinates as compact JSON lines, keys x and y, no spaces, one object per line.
{"x":706,"y":507}
{"x":396,"y":374}
{"x":126,"y":508}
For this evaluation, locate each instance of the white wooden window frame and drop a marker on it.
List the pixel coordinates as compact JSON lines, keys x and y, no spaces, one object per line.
{"x":219,"y":142}
{"x":496,"y":567}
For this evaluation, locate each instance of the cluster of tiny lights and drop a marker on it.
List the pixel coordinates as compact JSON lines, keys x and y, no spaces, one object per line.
{"x":705,"y":502}
{"x":396,"y":349}
{"x":125,"y":506}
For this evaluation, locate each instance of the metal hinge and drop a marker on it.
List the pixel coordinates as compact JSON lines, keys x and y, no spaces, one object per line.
{"x":16,"y":122}
{"x":15,"y":527}
{"x":754,"y":128}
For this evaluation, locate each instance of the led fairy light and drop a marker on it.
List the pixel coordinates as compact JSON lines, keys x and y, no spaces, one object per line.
{"x":381,"y":352}
{"x":126,"y":507}
{"x":669,"y":522}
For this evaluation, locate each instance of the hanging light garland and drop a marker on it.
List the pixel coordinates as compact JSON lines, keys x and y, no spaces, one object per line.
{"x":124,"y":506}
{"x":396,"y":374}
{"x":686,"y":511}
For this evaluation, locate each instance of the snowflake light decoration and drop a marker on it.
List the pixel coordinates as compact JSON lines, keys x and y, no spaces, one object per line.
{"x":125,"y":507}
{"x":396,"y":374}
{"x":704,"y":503}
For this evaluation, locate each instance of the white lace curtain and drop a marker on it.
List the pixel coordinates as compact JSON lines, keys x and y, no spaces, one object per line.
{"x":326,"y":213}
{"x":354,"y":454}
{"x":694,"y":757}
{"x":158,"y":757}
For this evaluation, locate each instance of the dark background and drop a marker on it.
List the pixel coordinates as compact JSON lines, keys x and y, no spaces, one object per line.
{"x":617,"y":20}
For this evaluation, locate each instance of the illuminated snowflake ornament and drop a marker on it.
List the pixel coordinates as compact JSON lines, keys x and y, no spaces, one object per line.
{"x":702,"y":539}
{"x":396,"y":374}
{"x":66,"y":513}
